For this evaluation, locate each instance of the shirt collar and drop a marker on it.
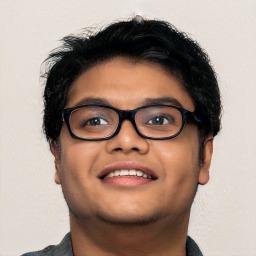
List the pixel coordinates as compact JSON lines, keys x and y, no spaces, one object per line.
{"x":65,"y":247}
{"x":192,"y":248}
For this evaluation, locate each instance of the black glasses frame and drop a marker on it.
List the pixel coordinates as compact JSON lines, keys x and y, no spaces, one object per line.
{"x":130,"y":115}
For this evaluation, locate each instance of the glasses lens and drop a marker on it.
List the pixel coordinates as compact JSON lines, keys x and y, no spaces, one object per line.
{"x":93,"y":122}
{"x":159,"y":122}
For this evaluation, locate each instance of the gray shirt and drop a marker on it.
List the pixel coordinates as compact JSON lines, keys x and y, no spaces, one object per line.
{"x":65,"y":248}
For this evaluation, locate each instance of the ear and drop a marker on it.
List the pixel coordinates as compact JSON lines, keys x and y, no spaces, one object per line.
{"x":56,"y":154}
{"x":207,"y":157}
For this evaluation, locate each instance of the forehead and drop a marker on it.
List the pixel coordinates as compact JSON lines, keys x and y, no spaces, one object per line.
{"x":127,"y":84}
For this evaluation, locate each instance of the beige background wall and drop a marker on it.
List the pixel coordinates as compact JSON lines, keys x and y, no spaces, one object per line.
{"x":33,"y":213}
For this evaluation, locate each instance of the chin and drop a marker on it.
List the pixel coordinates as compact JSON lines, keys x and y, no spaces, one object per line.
{"x":127,"y":220}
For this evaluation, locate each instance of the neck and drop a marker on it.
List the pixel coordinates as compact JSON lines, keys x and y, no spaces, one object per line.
{"x":97,"y":237}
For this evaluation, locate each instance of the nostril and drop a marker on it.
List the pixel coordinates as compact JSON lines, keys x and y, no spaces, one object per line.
{"x":120,"y":149}
{"x":117,"y":149}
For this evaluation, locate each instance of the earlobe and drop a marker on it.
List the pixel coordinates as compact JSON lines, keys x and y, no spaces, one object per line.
{"x":206,"y":163}
{"x":55,"y":152}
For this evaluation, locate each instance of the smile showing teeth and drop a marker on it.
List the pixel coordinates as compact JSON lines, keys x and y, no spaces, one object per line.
{"x":135,"y":173}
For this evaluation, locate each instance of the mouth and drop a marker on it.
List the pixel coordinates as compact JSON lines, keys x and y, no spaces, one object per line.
{"x":127,"y":174}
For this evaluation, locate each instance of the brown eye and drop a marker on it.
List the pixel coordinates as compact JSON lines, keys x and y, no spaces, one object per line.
{"x":161,"y":120}
{"x":96,"y":121}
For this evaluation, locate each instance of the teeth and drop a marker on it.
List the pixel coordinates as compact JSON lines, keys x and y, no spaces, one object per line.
{"x":111,"y":174}
{"x":124,"y":172}
{"x":132,"y":172}
{"x":127,"y":173}
{"x":139,"y":173}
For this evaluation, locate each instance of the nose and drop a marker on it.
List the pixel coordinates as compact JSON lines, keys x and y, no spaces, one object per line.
{"x":127,"y":141}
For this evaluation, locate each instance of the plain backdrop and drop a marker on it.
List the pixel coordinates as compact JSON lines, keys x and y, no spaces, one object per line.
{"x":33,"y":213}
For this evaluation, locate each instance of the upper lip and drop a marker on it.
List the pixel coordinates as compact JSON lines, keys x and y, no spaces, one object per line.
{"x":126,"y":166}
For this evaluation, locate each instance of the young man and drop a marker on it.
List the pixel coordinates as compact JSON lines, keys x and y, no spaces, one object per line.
{"x":130,"y":115}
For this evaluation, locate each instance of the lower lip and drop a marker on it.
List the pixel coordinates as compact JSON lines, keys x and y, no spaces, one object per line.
{"x":126,"y":181}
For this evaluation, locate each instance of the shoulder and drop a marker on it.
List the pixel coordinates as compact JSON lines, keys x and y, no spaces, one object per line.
{"x":192,"y":248}
{"x":64,"y":248}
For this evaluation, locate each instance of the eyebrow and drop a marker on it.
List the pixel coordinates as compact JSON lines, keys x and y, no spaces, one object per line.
{"x":145,"y":102}
{"x":91,"y":100}
{"x":162,"y":100}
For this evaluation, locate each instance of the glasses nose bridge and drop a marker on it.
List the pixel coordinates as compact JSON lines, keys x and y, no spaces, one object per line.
{"x":127,"y":115}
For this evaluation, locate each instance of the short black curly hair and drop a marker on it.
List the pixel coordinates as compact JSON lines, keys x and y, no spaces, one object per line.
{"x":145,"y":40}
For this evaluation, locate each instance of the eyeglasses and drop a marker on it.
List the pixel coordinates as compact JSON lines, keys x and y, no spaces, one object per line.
{"x":99,"y":122}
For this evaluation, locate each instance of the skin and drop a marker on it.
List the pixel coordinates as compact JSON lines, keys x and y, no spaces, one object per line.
{"x":165,"y":203}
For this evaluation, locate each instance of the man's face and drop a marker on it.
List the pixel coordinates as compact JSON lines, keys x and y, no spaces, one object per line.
{"x":174,"y":163}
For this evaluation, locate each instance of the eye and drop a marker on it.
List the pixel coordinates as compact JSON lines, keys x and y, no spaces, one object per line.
{"x":96,"y":121}
{"x":161,"y":120}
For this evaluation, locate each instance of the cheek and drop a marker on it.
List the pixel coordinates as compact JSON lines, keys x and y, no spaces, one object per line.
{"x":179,"y":160}
{"x":77,"y":161}
{"x":77,"y":173}
{"x":80,"y":157}
{"x":177,"y":154}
